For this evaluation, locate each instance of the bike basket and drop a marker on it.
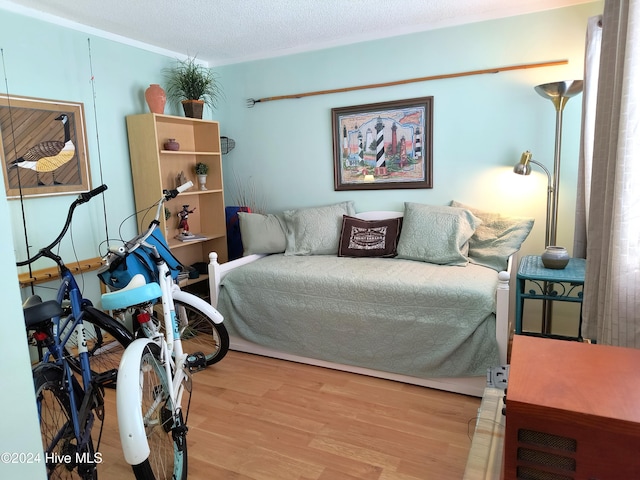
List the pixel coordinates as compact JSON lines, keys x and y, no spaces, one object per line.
{"x":121,"y":270}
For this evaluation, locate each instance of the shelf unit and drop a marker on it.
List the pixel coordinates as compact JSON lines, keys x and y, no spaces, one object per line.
{"x":155,"y":169}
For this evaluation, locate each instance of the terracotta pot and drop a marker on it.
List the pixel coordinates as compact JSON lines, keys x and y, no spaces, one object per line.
{"x":193,"y":108}
{"x":156,"y":98}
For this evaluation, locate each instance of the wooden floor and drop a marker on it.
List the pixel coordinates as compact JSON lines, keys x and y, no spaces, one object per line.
{"x":258,"y":418}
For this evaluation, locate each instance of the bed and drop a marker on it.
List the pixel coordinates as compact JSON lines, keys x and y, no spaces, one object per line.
{"x":419,"y":322}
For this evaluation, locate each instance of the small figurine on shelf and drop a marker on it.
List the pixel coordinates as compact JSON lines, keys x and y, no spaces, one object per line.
{"x":181,"y":179}
{"x":184,"y":225}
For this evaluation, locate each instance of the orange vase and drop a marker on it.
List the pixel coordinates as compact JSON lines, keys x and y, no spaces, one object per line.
{"x":156,"y":98}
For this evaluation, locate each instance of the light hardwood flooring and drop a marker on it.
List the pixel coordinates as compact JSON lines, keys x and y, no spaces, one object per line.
{"x":257,"y":418}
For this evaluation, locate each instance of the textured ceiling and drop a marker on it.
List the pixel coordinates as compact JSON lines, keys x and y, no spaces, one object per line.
{"x":230,"y":31}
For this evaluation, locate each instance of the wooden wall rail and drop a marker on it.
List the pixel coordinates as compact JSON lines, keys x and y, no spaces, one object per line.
{"x":50,"y":274}
{"x":251,"y":101}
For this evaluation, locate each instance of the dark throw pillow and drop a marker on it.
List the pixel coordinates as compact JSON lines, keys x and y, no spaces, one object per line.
{"x":369,"y":238}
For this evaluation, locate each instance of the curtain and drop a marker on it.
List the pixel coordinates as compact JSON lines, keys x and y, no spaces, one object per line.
{"x":612,"y":285}
{"x":585,"y":162}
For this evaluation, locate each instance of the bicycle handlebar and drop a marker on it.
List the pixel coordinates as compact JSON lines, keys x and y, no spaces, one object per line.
{"x":169,"y":194}
{"x":85,"y":197}
{"x":46,"y":251}
{"x":133,"y":244}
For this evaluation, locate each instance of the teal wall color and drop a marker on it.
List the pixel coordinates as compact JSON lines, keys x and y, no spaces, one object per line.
{"x":48,"y":61}
{"x":284,"y":148}
{"x":481,"y":123}
{"x":52,"y":62}
{"x":20,"y":430}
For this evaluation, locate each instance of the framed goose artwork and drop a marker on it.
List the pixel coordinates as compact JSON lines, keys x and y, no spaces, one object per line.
{"x":43,"y":147}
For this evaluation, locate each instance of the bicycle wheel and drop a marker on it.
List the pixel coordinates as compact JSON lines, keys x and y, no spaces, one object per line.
{"x":106,"y":340}
{"x":199,"y":333}
{"x":63,"y":458}
{"x":165,"y":433}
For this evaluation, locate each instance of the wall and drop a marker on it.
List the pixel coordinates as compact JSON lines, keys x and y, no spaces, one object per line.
{"x":48,"y":61}
{"x":481,"y":126}
{"x":481,"y":123}
{"x":58,"y":63}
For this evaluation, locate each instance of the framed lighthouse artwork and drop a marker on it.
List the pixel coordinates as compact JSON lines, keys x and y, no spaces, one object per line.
{"x":383,"y":145}
{"x":43,"y":147}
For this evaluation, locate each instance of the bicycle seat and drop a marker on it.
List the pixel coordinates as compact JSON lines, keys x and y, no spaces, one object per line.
{"x":36,"y":311}
{"x":137,"y":291}
{"x":31,"y":300}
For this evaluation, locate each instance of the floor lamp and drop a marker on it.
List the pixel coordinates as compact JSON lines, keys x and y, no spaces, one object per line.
{"x":559,"y":93}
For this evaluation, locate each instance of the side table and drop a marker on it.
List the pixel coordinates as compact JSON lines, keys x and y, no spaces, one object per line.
{"x":565,"y":285}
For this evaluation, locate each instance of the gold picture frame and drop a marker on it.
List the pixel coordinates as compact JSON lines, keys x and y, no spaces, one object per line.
{"x":43,"y":147}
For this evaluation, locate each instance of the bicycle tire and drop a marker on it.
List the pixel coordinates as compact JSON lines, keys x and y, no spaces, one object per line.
{"x":199,"y":333}
{"x":167,"y":458}
{"x":56,"y":427}
{"x":106,"y":341}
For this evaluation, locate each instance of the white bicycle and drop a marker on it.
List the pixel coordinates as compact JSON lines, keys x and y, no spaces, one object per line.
{"x":155,"y":371}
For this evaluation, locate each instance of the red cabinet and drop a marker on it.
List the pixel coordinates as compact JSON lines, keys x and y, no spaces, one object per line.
{"x":572,"y":411}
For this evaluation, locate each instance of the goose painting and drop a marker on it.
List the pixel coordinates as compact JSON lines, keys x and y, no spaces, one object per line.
{"x":43,"y":147}
{"x":48,"y":155}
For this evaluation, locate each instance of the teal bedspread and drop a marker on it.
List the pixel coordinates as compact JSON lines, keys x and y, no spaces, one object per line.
{"x":394,"y":315}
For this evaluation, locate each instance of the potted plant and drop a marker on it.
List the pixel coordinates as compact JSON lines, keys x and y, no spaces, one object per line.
{"x":194,"y":85}
{"x":202,"y":169}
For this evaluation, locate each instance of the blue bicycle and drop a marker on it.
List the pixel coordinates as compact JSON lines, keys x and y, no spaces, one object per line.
{"x":72,"y":336}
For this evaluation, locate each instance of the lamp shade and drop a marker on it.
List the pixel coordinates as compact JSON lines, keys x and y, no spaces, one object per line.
{"x":560,"y":92}
{"x":523,"y":167}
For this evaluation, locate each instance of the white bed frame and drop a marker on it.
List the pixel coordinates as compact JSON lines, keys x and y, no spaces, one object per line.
{"x":465,"y":385}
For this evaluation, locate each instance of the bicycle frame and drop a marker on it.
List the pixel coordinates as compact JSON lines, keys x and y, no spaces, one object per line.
{"x":172,"y":353}
{"x":69,"y":288}
{"x":82,"y":416}
{"x":134,"y":441}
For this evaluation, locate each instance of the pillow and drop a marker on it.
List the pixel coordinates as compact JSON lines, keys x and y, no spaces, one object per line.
{"x":262,"y":233}
{"x":436,"y":234}
{"x":315,"y":230}
{"x":369,"y":238}
{"x":497,"y":238}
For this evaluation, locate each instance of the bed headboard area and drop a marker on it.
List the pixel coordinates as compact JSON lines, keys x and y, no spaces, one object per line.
{"x":378,"y":215}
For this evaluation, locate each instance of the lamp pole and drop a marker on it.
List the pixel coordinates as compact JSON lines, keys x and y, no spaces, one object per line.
{"x":559,"y":93}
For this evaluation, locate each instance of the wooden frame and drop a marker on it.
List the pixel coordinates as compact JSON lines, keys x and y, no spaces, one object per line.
{"x":383,"y":145}
{"x":43,"y":147}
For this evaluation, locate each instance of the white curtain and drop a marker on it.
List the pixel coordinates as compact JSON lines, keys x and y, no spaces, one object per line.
{"x":612,"y":285}
{"x":589,"y":101}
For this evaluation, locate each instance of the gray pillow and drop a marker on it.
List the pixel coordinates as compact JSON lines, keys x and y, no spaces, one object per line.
{"x":315,"y":230}
{"x":436,"y":234}
{"x":262,"y":233}
{"x":497,"y":238}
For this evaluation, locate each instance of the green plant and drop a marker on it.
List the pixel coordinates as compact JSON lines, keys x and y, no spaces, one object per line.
{"x":201,"y":168}
{"x":167,"y":213}
{"x":188,"y":80}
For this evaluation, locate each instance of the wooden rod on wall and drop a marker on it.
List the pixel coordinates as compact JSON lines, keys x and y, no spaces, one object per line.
{"x":52,"y":273}
{"x":251,"y":102}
